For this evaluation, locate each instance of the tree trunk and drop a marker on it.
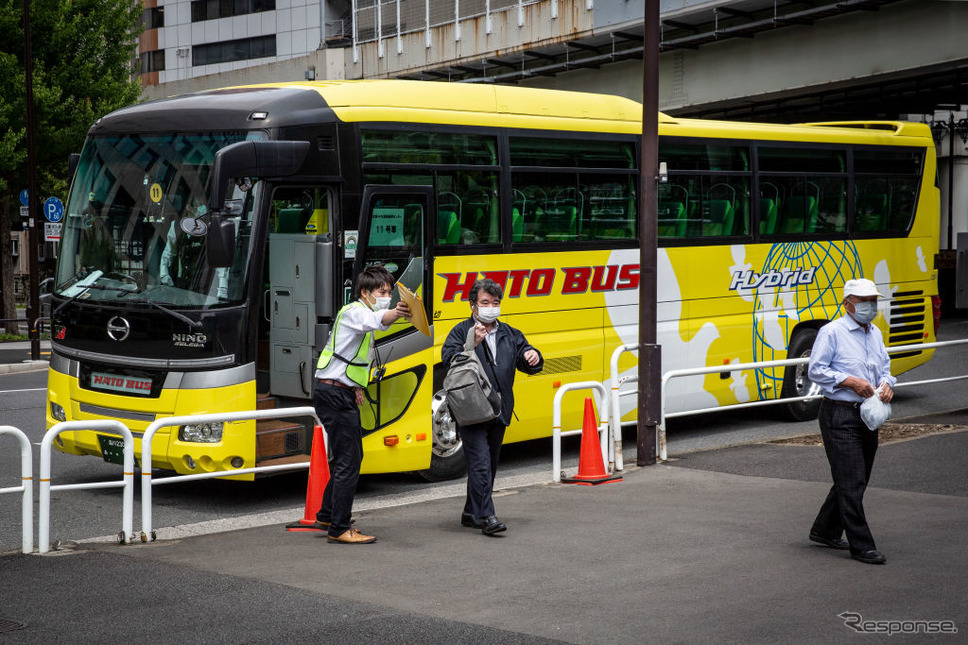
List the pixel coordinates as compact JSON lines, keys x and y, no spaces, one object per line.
{"x":6,"y":268}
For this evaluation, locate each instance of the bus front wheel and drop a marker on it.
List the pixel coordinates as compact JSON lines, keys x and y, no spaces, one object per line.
{"x":447,"y":452}
{"x":795,"y":380}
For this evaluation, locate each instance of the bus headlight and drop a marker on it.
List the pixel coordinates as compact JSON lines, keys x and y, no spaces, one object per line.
{"x":57,"y":412}
{"x":201,"y":432}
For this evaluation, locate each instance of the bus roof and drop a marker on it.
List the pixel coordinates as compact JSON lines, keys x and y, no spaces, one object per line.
{"x":466,"y":104}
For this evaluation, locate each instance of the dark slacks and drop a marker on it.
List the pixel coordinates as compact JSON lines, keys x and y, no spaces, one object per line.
{"x":482,"y":448}
{"x":337,"y":409}
{"x":850,"y":448}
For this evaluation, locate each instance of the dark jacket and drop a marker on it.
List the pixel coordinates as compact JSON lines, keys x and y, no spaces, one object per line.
{"x":511,"y":346}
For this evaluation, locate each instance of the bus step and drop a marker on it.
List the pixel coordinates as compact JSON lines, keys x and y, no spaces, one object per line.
{"x":274,"y":438}
{"x":266,"y":402}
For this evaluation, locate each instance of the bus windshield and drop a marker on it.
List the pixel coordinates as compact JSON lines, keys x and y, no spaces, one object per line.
{"x":133,"y":199}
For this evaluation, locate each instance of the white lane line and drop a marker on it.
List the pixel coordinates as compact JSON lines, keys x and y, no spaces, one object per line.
{"x":33,"y":389}
{"x":458,"y":489}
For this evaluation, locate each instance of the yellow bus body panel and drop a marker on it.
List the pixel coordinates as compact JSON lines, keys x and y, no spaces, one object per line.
{"x":167,"y":451}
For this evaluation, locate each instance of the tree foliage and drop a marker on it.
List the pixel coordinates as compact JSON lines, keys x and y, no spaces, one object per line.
{"x":83,"y":53}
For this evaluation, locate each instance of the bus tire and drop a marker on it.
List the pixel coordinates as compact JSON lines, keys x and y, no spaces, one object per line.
{"x":447,"y":451}
{"x":795,"y":381}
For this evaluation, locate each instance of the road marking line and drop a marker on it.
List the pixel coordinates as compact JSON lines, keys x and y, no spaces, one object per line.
{"x":33,"y":389}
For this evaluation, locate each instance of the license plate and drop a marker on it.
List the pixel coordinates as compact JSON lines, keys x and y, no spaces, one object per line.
{"x":112,"y":449}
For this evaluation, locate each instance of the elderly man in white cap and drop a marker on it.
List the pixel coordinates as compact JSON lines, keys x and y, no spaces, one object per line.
{"x":848,"y":362}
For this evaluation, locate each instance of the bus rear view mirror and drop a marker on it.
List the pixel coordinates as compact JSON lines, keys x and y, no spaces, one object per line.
{"x":263,"y":159}
{"x":220,"y":242}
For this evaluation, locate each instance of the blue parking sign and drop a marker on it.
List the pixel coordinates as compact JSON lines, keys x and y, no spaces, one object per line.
{"x":53,"y":209}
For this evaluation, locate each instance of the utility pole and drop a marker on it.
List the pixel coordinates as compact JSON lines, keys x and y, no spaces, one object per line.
{"x":650,"y":354}
{"x":33,"y":197}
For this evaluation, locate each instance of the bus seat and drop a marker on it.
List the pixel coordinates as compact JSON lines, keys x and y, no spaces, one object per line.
{"x":767,"y":216}
{"x":800,"y":214}
{"x":517,"y":225}
{"x":289,"y":220}
{"x":720,"y":217}
{"x":448,"y":227}
{"x":872,"y":213}
{"x":672,"y":219}
{"x":562,"y":222}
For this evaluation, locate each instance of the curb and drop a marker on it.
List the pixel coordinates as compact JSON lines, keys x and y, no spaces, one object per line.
{"x":26,"y":366}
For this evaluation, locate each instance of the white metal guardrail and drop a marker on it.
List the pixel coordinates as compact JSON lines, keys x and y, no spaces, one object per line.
{"x":557,"y":434}
{"x":127,"y":481}
{"x":735,"y":367}
{"x":615,"y":418}
{"x":26,"y":487}
{"x":147,"y":534}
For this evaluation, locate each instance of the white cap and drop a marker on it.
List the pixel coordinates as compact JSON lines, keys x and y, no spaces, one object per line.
{"x":861,"y":287}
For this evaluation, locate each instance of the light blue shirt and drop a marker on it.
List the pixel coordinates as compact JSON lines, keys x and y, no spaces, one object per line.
{"x":843,"y":349}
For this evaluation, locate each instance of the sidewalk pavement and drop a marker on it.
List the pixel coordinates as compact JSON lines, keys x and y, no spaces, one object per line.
{"x":15,"y":357}
{"x":710,"y":548}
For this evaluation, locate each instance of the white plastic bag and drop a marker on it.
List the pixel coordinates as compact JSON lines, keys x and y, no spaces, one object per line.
{"x":875,"y":412}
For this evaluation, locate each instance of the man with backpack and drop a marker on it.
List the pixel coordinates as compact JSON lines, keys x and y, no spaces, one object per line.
{"x":501,"y":350}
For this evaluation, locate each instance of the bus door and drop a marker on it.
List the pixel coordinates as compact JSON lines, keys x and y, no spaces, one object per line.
{"x":395,"y":231}
{"x":298,"y":297}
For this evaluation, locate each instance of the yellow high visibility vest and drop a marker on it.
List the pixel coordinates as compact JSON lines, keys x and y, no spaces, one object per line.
{"x":357,"y":367}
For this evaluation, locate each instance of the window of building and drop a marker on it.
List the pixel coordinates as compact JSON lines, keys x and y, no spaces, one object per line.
{"x":212,"y":9}
{"x":153,"y":61}
{"x":153,"y":17}
{"x":232,"y":50}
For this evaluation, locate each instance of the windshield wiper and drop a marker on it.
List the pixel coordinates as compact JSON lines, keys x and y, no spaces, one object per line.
{"x":192,"y":324}
{"x":85,"y":284}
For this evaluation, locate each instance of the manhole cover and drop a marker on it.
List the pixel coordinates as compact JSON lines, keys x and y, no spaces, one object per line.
{"x":7,"y":625}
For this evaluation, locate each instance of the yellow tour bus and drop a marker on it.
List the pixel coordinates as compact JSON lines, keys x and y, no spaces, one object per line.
{"x":211,"y":238}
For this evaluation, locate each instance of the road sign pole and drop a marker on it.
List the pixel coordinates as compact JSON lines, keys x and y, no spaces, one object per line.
{"x":33,"y":238}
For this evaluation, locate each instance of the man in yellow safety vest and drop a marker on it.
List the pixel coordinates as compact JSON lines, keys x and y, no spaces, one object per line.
{"x":342,"y":372}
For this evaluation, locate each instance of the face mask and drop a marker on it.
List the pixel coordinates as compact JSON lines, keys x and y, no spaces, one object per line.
{"x":379,"y":304}
{"x":865,"y":312}
{"x":488,"y":315}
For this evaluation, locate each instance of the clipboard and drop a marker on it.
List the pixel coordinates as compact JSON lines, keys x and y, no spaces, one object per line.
{"x":418,"y":316}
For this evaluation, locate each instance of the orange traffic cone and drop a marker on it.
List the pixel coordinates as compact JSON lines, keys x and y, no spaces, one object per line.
{"x":591,"y":466}
{"x":318,"y":476}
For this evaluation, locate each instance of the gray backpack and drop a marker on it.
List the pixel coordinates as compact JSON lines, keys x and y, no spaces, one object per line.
{"x":470,"y":397}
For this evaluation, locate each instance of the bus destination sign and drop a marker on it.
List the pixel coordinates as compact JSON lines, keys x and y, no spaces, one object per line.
{"x":115,"y":383}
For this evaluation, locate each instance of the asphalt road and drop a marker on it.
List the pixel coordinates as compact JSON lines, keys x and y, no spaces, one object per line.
{"x":78,"y":515}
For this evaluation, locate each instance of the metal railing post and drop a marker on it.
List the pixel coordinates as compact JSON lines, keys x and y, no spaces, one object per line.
{"x":557,"y":434}
{"x":127,"y":481}
{"x":615,"y":418}
{"x":26,"y":486}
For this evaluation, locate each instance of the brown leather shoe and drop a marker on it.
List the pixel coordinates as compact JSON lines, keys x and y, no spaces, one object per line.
{"x":352,"y":536}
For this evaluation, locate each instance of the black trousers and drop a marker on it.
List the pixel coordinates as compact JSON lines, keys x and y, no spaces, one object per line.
{"x":850,"y":448}
{"x":482,"y":448}
{"x":337,"y":409}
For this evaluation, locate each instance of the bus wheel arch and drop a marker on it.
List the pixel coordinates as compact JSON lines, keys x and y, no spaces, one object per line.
{"x":447,"y":450}
{"x":795,"y":381}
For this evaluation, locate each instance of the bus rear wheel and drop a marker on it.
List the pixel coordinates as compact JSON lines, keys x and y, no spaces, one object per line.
{"x":796,"y":382}
{"x":447,"y":452}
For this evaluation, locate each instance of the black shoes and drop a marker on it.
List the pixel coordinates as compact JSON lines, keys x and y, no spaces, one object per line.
{"x":466,"y":519}
{"x":870,"y":557}
{"x":493,"y":525}
{"x":833,"y":543}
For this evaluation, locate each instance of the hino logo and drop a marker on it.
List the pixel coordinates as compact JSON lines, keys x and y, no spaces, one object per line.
{"x":783,"y":278}
{"x":118,"y":328}
{"x":189,"y":340}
